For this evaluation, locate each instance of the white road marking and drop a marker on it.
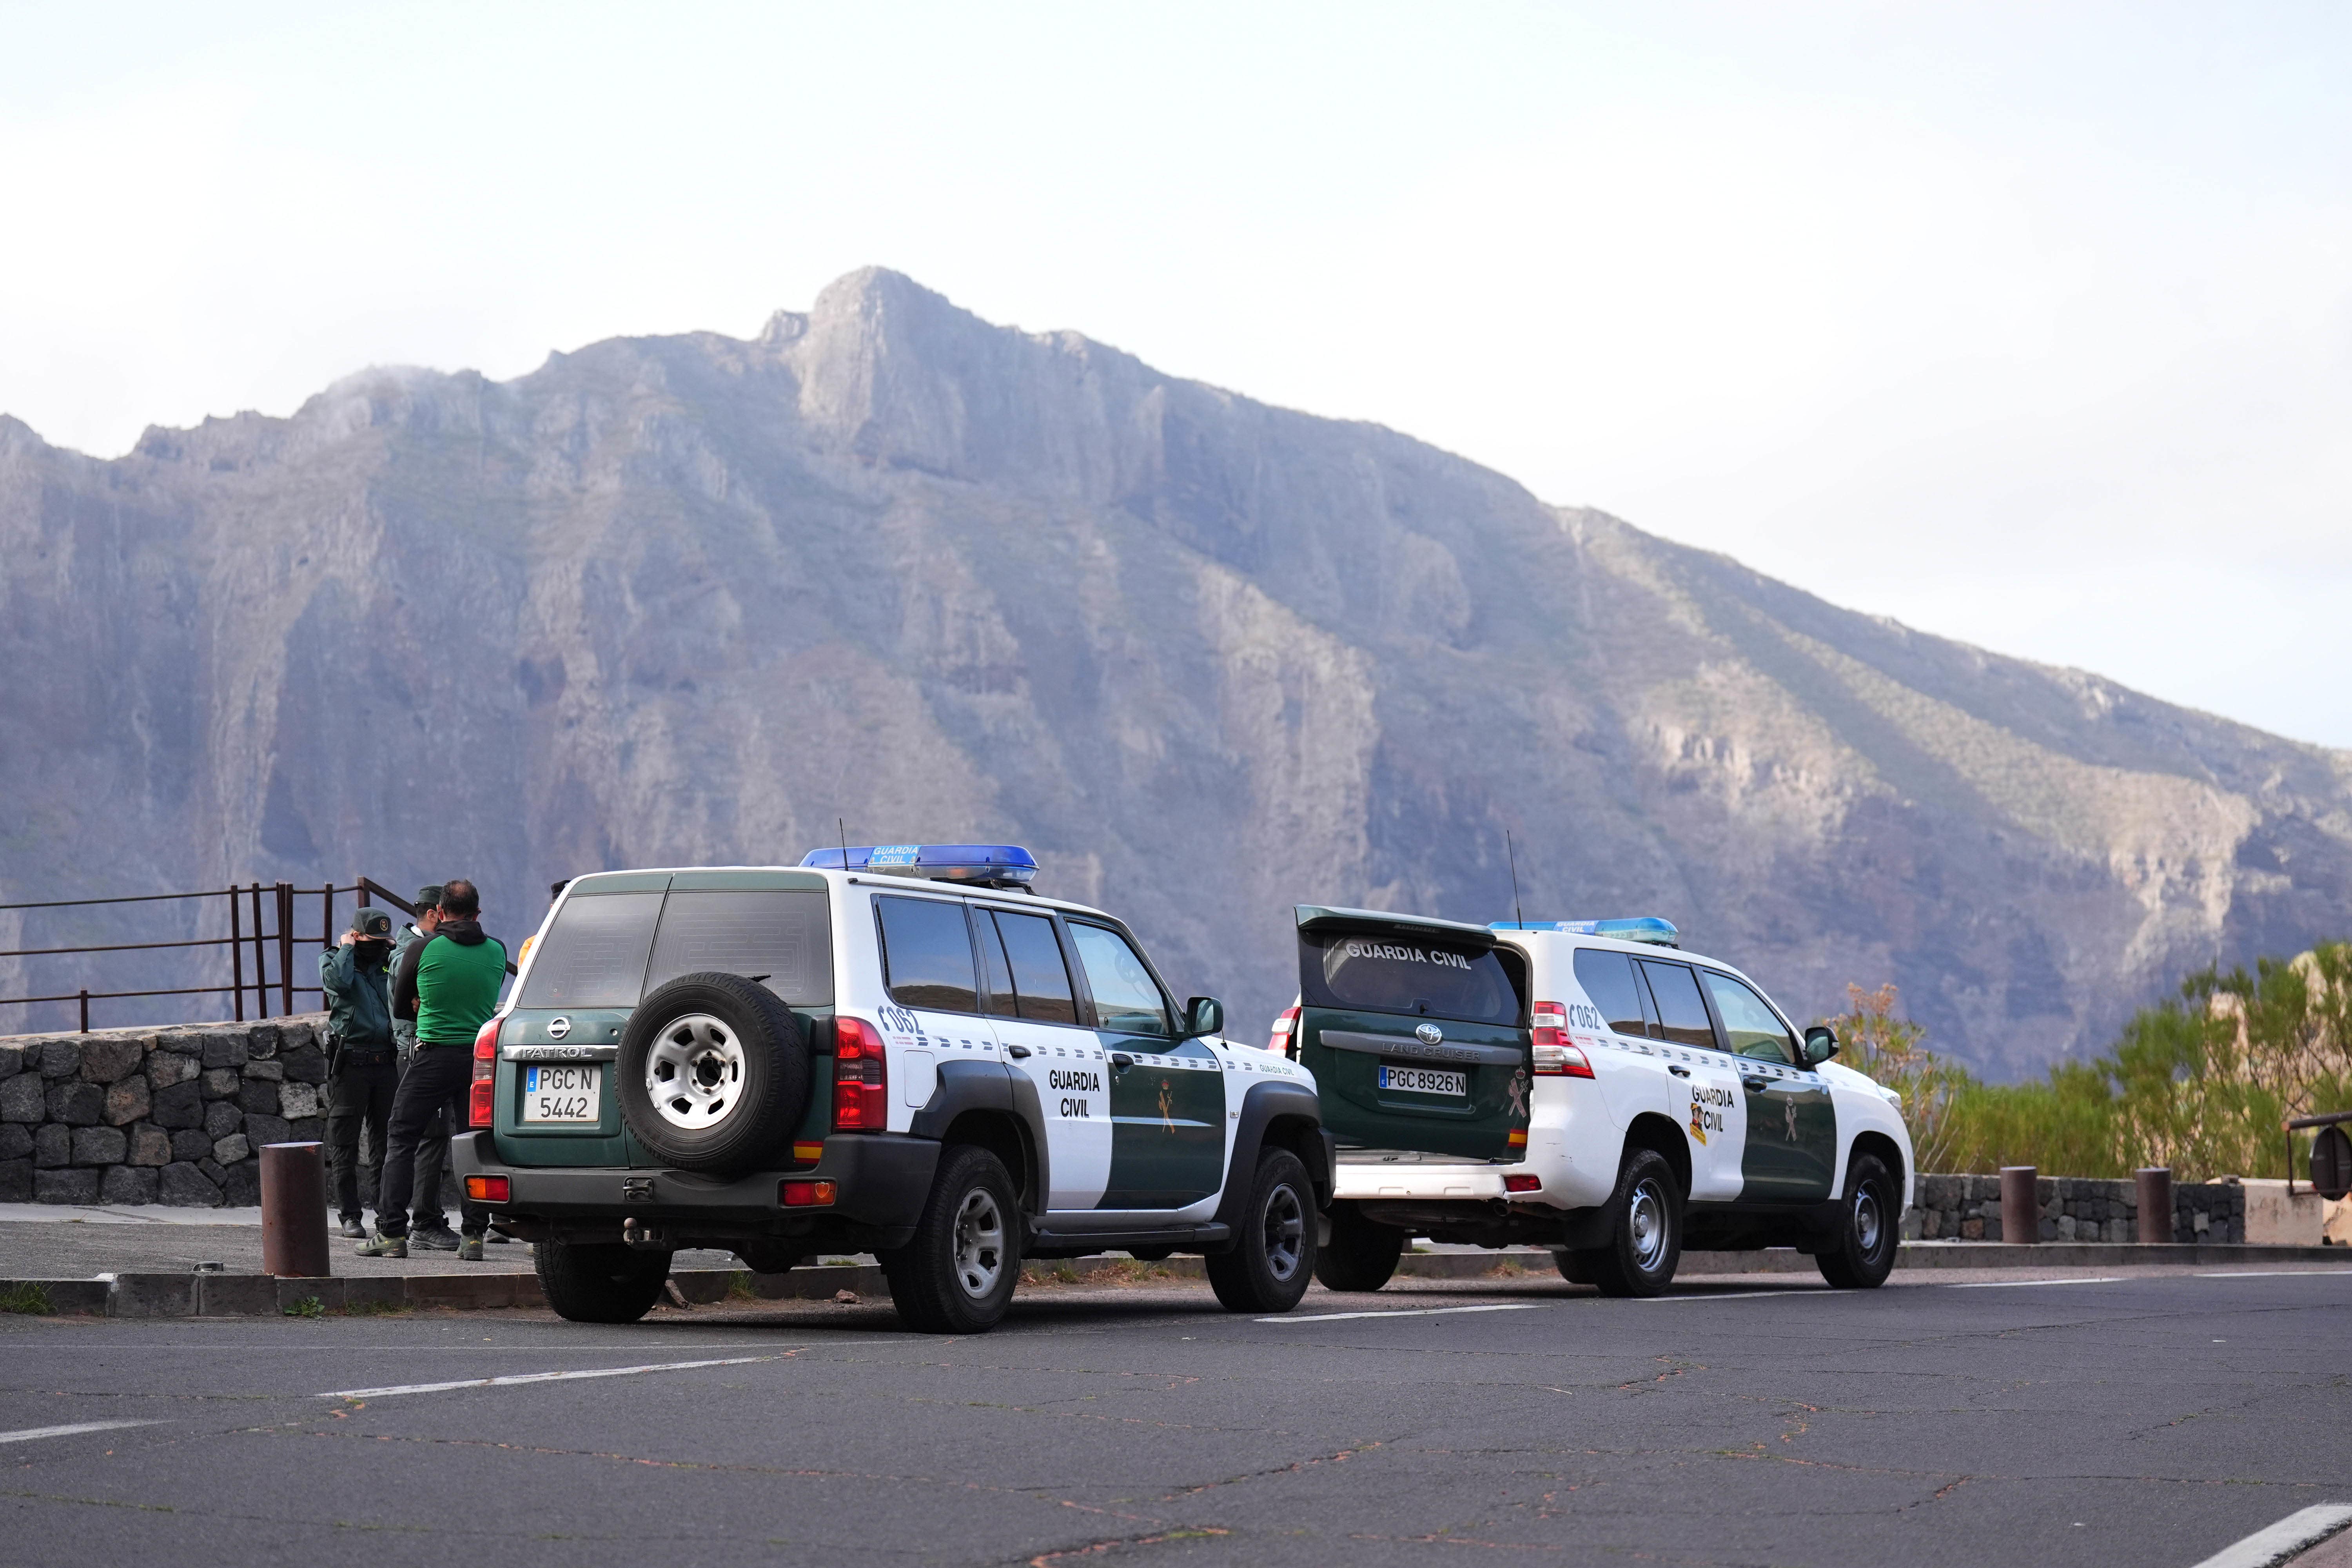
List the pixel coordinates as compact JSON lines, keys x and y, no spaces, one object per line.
{"x":2015,"y":1284}
{"x":517,"y":1378}
{"x":2271,"y":1273}
{"x":1407,"y":1312}
{"x":30,"y":1433}
{"x":2283,"y":1539}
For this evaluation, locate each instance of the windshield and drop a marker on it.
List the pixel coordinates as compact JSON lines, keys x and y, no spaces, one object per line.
{"x":1405,"y":974}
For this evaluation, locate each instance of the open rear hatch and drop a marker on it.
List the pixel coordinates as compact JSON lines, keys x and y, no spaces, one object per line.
{"x":1416,"y":1032}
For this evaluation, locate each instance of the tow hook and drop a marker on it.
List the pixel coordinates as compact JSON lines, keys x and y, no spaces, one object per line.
{"x":645,"y":1237}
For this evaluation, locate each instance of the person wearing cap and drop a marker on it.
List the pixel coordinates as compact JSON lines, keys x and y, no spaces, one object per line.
{"x":363,"y":1066}
{"x":430,"y":1224}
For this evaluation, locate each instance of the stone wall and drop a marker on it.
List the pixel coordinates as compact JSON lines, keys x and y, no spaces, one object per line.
{"x":155,"y":1116}
{"x":2074,"y":1208}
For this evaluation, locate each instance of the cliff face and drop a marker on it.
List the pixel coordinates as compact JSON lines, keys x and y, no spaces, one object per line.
{"x":692,"y":599}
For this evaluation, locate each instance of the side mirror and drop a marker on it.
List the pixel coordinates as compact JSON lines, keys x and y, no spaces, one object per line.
{"x":1203,"y":1016}
{"x":1821,"y":1045}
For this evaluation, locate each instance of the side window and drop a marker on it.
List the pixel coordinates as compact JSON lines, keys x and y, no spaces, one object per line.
{"x":1682,"y":1012}
{"x":1126,"y":1000}
{"x":1608,"y":979}
{"x":927,"y":954}
{"x":1039,"y":976}
{"x":594,"y":955}
{"x":1000,"y":974}
{"x":1755,"y":1029}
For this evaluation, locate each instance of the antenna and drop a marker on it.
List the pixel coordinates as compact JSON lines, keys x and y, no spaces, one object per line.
{"x":1518,"y":915}
{"x":843,"y":828}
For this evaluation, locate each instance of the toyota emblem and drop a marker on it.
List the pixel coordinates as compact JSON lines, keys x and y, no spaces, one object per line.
{"x":558,"y":1028}
{"x":1429,"y":1034}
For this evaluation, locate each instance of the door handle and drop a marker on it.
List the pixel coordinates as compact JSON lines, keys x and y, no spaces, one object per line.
{"x":1679,"y":1072}
{"x":1758,"y":1084}
{"x":1017,"y":1052}
{"x":1120,"y":1061}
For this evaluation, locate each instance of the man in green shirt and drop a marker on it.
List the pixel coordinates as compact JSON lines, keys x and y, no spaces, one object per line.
{"x":449,"y":985}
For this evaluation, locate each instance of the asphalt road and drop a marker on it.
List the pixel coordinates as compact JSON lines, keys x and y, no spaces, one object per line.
{"x":2149,"y":1420}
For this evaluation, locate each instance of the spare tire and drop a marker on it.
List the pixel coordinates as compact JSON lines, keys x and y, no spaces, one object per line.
{"x":714,"y":1073}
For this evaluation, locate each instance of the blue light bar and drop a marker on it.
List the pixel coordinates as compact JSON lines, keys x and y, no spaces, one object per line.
{"x":988,"y":865}
{"x":1641,"y":928}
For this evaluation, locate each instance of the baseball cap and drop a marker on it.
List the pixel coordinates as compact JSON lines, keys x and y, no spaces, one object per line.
{"x":371,"y":923}
{"x":428,"y":896}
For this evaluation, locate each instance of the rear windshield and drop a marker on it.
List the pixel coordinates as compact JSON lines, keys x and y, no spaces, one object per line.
{"x":594,"y":953}
{"x":1405,"y":974}
{"x":785,"y":934}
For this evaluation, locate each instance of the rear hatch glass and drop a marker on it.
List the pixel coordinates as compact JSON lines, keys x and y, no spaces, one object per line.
{"x":1415,"y":1032}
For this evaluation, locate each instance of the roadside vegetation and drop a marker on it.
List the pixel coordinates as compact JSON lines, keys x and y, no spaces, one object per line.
{"x":2198,"y":1083}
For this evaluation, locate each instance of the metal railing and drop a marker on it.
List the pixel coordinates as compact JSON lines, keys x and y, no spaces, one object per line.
{"x":262,"y":921}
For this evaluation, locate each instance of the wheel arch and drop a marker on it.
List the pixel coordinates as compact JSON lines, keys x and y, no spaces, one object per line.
{"x":1657,"y":1133}
{"x":1880,"y":1144}
{"x":1005,"y":1135}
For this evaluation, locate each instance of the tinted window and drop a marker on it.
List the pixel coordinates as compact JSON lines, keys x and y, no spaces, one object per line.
{"x":1001,"y":1000}
{"x":1039,"y":976}
{"x":1755,"y":1029}
{"x":786,"y":935}
{"x":1408,"y":974}
{"x":1608,"y":979}
{"x":594,"y":953}
{"x":927,"y":954}
{"x":1126,"y":1000}
{"x":1682,"y":1014}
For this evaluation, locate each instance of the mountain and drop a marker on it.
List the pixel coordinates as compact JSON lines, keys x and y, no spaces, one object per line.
{"x":694,"y":598}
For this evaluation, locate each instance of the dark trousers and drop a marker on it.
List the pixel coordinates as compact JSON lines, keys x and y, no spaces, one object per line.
{"x":436,"y":1084}
{"x":432,"y":1159}
{"x":359,"y":1096}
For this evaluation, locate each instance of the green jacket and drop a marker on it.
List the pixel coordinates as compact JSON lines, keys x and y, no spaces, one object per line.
{"x":359,"y":999}
{"x":449,"y":983}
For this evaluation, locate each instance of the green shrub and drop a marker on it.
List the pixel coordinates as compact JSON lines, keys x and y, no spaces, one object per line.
{"x":29,"y":1297}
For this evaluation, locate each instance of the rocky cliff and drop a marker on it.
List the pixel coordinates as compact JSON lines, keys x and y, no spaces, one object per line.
{"x":691,"y":599}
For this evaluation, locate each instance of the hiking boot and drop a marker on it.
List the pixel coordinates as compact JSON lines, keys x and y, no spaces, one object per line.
{"x":352,"y":1228}
{"x":383,"y":1246}
{"x":497,"y":1238}
{"x":439,"y":1238}
{"x":469,"y":1249}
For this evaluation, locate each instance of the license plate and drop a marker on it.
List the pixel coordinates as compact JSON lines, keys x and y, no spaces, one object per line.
{"x":561,"y":1093}
{"x":1425,"y":1080}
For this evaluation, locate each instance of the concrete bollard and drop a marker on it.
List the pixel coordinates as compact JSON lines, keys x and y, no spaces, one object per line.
{"x":2020,"y":1213}
{"x":2155,"y":1203}
{"x":294,"y":1210}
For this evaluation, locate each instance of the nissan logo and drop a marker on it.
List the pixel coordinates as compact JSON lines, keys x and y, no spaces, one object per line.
{"x":1428,"y":1033}
{"x":558,"y":1028}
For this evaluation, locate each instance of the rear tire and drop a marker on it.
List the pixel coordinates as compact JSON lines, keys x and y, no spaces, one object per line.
{"x":1361,"y":1255}
{"x":1863,"y":1253}
{"x":1273,"y":1252}
{"x":713,"y":1073}
{"x":1645,"y":1241}
{"x":599,"y":1282}
{"x":956,"y":1277}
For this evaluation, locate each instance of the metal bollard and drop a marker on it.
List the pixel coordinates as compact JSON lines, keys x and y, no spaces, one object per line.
{"x":294,"y":1210}
{"x":2020,"y":1213}
{"x":2155,"y":1203}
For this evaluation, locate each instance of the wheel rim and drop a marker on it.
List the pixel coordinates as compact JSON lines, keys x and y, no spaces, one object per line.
{"x":1283,"y":1229}
{"x":979,"y":1243}
{"x":694,"y":1073}
{"x":1868,"y":1226}
{"x":1646,"y":1221}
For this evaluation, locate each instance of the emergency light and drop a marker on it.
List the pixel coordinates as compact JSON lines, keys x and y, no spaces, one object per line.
{"x":982,"y":865}
{"x":1639,"y":928}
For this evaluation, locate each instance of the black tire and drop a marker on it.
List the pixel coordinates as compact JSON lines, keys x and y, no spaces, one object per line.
{"x":1273,"y":1256}
{"x":599,"y":1281}
{"x":956,"y":1277}
{"x":1863,"y":1254}
{"x":1360,"y":1255}
{"x":1645,"y":1239}
{"x":713,"y":1073}
{"x":1580,"y":1267}
{"x":770,"y":1256}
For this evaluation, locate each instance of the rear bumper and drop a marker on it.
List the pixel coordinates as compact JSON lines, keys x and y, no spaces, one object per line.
{"x":880,"y":1181}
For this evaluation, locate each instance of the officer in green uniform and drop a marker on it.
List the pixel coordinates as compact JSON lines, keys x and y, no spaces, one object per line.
{"x":362,"y":1073}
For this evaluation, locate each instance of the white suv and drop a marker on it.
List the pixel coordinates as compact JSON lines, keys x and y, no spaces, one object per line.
{"x":900,"y":1050}
{"x":1587,"y":1086}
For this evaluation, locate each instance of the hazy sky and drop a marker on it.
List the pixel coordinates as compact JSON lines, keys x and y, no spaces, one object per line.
{"x":2030,"y":325}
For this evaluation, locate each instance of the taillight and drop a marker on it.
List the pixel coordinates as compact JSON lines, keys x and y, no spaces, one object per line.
{"x":1523,"y":1184}
{"x":861,"y":1077}
{"x":1555,"y":1057}
{"x":488,"y":1189}
{"x":806,"y":1194}
{"x":481,"y":1108}
{"x":1282,"y":1028}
